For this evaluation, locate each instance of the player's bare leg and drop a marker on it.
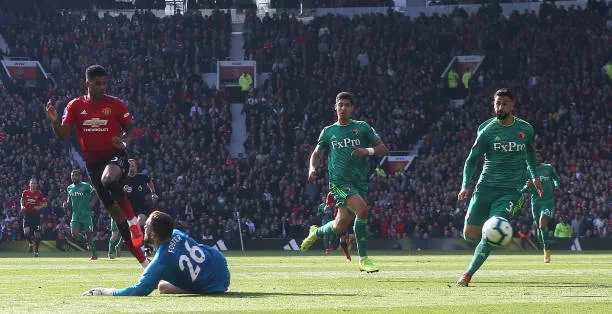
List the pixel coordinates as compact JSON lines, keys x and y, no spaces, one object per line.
{"x":111,"y":180}
{"x":344,"y":246}
{"x":473,"y":233}
{"x":113,"y":245}
{"x":77,"y":235}
{"x":338,"y":225}
{"x":543,"y":228}
{"x":165,"y":287}
{"x":360,"y":207}
{"x":92,"y":245}
{"x":343,"y":220}
{"x":37,"y":238}
{"x":80,"y":237}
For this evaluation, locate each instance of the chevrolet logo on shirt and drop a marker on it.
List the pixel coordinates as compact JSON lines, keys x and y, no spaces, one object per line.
{"x":95,"y":124}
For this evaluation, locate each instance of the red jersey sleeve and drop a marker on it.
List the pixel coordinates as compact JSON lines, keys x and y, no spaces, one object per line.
{"x":123,"y":114}
{"x":69,"y":116}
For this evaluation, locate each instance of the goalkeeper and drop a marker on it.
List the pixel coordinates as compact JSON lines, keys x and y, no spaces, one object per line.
{"x":180,"y":266}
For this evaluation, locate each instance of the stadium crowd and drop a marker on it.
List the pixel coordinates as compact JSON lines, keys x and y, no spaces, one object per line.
{"x":359,"y":53}
{"x":392,"y":64}
{"x":566,"y":98}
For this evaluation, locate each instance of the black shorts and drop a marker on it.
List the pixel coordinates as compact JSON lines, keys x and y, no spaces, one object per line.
{"x":140,"y":207}
{"x":96,"y":169}
{"x":32,"y":221}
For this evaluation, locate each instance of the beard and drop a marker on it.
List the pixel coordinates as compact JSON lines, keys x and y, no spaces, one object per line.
{"x":147,"y":237}
{"x":501,"y":115}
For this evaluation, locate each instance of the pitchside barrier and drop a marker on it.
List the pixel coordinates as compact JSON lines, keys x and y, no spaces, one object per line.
{"x":570,"y":244}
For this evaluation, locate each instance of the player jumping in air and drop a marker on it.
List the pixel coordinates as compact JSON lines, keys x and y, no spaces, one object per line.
{"x":104,"y":130}
{"x":138,"y":187}
{"x":543,"y":209}
{"x":507,"y":144}
{"x":349,"y":142}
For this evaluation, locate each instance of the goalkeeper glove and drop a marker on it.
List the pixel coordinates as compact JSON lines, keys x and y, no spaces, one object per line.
{"x":99,"y":292}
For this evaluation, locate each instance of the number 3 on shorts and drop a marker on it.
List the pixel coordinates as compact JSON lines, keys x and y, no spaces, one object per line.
{"x":510,"y":206}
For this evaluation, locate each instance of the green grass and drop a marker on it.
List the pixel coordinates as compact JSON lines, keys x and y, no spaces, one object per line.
{"x":273,"y":282}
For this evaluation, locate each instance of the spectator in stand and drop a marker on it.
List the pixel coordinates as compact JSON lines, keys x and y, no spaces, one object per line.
{"x":158,"y":76}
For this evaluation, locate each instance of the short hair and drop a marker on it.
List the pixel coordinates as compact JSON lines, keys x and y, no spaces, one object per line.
{"x":505,"y":92}
{"x":162,"y":224}
{"x":345,"y":95}
{"x":94,"y":71}
{"x":75,"y":171}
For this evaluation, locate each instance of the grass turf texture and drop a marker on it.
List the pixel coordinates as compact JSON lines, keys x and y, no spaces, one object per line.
{"x":273,"y":282}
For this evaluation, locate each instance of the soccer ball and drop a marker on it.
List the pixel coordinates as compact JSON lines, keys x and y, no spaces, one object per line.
{"x":497,"y":231}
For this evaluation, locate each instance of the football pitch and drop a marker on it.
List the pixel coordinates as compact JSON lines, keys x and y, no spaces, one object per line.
{"x":291,"y":282}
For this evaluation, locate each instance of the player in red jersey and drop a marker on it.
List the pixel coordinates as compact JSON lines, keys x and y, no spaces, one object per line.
{"x":32,"y":201}
{"x":104,"y":130}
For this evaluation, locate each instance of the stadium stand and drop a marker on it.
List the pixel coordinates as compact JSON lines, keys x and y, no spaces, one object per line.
{"x":391,"y":62}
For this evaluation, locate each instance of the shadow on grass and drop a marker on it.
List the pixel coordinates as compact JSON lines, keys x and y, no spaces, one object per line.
{"x":241,"y":294}
{"x":535,"y":284}
{"x":543,"y":284}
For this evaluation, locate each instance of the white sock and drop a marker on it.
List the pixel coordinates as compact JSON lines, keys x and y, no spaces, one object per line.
{"x":145,"y":263}
{"x":133,"y":221}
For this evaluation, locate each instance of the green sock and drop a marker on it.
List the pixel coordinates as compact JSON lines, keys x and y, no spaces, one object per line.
{"x":544,"y":236}
{"x":361,"y":235}
{"x":82,"y":237}
{"x":119,"y":243}
{"x":92,"y":245}
{"x":483,"y":249}
{"x":326,"y":242}
{"x":111,"y":244}
{"x":328,"y":228}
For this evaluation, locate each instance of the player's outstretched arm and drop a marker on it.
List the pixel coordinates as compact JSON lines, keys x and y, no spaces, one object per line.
{"x":469,"y":168}
{"x":555,"y":178}
{"x":66,"y":203}
{"x":154,"y":196}
{"x":148,"y":281}
{"x":464,"y":194}
{"x":527,"y":185}
{"x":531,"y":154}
{"x":61,"y":130}
{"x":97,"y":292}
{"x":126,"y":137}
{"x":315,"y":160}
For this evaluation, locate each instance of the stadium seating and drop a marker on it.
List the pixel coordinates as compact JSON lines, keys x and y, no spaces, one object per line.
{"x":391,"y":63}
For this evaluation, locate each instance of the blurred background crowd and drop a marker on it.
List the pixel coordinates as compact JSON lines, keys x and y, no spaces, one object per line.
{"x":392,"y":64}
